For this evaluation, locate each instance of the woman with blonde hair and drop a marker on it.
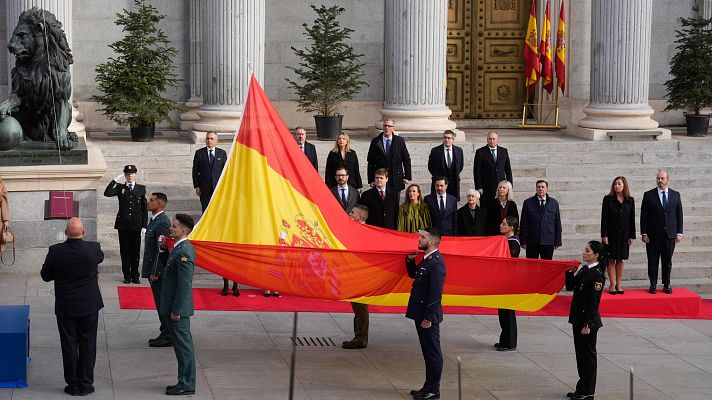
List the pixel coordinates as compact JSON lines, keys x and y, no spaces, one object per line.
{"x":502,"y":207}
{"x":342,"y":156}
{"x":413,"y":214}
{"x":617,"y":230}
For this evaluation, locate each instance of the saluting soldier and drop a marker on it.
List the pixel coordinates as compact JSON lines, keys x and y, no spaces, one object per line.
{"x":425,"y":308}
{"x":587,"y":282}
{"x":155,"y":258}
{"x":131,"y":219}
{"x":177,"y":303}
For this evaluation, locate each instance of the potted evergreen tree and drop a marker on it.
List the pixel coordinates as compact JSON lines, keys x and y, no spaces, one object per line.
{"x":133,"y":81}
{"x":691,"y":68}
{"x":329,"y":69}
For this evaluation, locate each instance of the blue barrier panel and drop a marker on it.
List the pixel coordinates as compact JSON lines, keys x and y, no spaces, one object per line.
{"x":14,"y":345}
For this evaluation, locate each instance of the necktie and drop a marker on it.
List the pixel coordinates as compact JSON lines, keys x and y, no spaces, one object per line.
{"x":343,"y":197}
{"x":448,"y":158}
{"x":388,"y":145}
{"x":665,"y":202}
{"x":494,"y":154}
{"x":442,"y":203}
{"x":211,"y":157}
{"x":383,"y":194}
{"x":541,"y":205}
{"x":130,"y":187}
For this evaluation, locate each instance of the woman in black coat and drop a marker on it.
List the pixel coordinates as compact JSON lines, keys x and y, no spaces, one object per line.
{"x":587,"y":282}
{"x":342,"y":156}
{"x":470,"y":216}
{"x":500,"y":208}
{"x":617,"y":230}
{"x":509,"y":227}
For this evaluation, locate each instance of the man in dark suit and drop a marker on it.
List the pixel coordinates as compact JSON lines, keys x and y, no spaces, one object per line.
{"x":208,"y":164}
{"x":131,"y":220}
{"x":300,"y":134}
{"x":540,"y":225}
{"x":177,"y":303}
{"x":490,"y":168}
{"x":73,"y":266}
{"x":154,"y":259}
{"x":443,"y":208}
{"x":390,"y":152}
{"x":359,"y":213}
{"x":661,"y":229}
{"x":425,"y":308}
{"x":346,"y":194}
{"x":382,"y":202}
{"x":447,"y":160}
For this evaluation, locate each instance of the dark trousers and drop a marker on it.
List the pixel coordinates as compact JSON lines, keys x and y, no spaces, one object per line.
{"x":360,"y":323}
{"x":660,"y":251}
{"x":433,"y":356}
{"x":540,"y":251}
{"x":77,"y":336}
{"x":130,"y":249}
{"x":585,"y":346}
{"x":508,"y":323}
{"x":156,"y":290}
{"x":205,"y":199}
{"x":183,"y":348}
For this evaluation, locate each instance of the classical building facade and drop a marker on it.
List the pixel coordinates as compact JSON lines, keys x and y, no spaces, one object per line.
{"x":429,"y":63}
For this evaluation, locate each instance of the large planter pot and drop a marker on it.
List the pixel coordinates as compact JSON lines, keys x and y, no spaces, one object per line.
{"x":143,"y":132}
{"x":328,"y":128}
{"x":697,"y":124}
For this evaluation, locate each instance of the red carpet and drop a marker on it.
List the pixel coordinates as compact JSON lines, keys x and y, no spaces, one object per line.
{"x":635,"y":303}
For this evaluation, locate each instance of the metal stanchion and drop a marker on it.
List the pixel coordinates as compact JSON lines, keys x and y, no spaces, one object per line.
{"x":292,"y":368}
{"x":459,"y":379}
{"x":631,"y":383}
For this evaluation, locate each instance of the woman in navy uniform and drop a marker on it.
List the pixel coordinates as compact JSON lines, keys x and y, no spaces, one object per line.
{"x":425,"y":308}
{"x":587,"y":283}
{"x":131,"y":219}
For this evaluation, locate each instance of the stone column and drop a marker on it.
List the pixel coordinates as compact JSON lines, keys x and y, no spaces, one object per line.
{"x":62,"y":9}
{"x":620,"y":67}
{"x":415,"y":67}
{"x":233,"y":39}
{"x":195,"y":76}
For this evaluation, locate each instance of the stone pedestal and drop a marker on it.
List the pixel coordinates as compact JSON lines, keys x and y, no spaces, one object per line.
{"x":62,"y":9}
{"x":232,"y":49}
{"x":29,"y":187}
{"x":415,"y":67}
{"x":195,"y":75}
{"x":620,"y":67}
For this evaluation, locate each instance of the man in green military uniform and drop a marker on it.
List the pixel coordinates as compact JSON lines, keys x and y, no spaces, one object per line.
{"x":154,"y":259}
{"x":177,"y":303}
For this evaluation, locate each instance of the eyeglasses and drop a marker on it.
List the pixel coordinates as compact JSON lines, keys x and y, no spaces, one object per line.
{"x":387,"y":126}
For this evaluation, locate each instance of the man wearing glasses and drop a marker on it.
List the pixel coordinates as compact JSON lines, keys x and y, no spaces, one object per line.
{"x":131,"y":219}
{"x":390,"y":152}
{"x":447,"y":160}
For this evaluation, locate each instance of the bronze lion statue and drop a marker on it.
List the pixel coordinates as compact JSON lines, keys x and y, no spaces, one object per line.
{"x":41,"y":82}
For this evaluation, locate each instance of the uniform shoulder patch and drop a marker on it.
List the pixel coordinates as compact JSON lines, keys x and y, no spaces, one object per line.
{"x":184,"y":259}
{"x":599,"y":286}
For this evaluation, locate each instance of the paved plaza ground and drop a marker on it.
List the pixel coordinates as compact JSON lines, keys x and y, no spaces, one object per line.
{"x":245,"y":355}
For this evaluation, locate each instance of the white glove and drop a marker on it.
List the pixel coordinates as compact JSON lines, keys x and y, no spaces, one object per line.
{"x":118,"y":177}
{"x":143,"y":232}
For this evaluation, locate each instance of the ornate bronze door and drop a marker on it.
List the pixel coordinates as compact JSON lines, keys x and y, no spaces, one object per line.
{"x":484,"y":53}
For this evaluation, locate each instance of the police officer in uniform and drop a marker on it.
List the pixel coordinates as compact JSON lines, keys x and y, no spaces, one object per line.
{"x":155,"y":258}
{"x":587,"y":282}
{"x":425,"y":308}
{"x":131,"y":219}
{"x":177,"y":303}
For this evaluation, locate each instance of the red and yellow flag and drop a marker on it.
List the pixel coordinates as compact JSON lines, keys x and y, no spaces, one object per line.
{"x":547,"y":71}
{"x":272,"y":223}
{"x":561,"y":51}
{"x":531,"y":52}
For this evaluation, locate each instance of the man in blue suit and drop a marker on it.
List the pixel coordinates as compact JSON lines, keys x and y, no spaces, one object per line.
{"x":208,"y":164}
{"x":154,"y":259}
{"x":661,"y":229}
{"x":425,"y":308}
{"x":540,"y":224}
{"x":443,"y":207}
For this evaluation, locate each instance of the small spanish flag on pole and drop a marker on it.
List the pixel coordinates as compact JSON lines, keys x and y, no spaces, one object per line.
{"x":547,"y":72}
{"x":531,"y":52}
{"x":561,"y":51}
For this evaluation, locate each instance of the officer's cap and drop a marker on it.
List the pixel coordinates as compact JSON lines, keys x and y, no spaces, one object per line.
{"x":130,"y":169}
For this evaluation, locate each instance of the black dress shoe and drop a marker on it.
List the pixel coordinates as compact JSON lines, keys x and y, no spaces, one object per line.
{"x":71,"y":390}
{"x":583,"y":397}
{"x":352,"y":345}
{"x":224,"y":291}
{"x":87,"y":391}
{"x":570,"y":394}
{"x":127,"y":280}
{"x":416,"y":392}
{"x":503,"y":348}
{"x":427,"y":396}
{"x":652,"y":290}
{"x":497,"y":345}
{"x":178,"y":391}
{"x":161,"y":343}
{"x":667,"y":290}
{"x":275,"y":294}
{"x":267,"y":293}
{"x":135,"y":280}
{"x":171,"y":387}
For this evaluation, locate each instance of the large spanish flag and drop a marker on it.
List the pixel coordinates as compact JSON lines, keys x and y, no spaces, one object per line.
{"x":531,"y":52}
{"x":561,"y":51}
{"x":547,"y":71}
{"x":272,"y":223}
